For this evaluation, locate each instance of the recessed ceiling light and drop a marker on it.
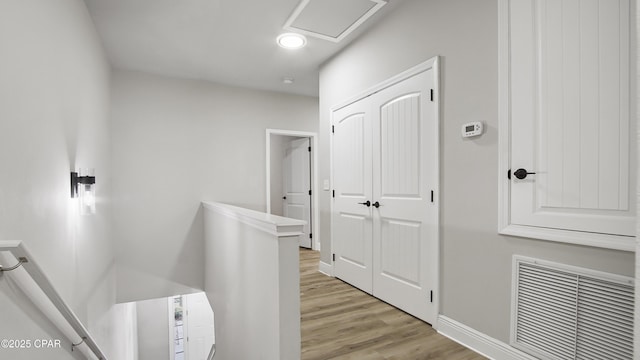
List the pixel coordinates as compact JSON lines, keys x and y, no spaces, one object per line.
{"x":292,"y":41}
{"x":288,"y":80}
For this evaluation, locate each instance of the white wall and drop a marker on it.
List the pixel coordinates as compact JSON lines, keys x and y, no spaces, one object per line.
{"x":22,"y":320}
{"x":54,"y":112}
{"x":475,"y":260}
{"x":125,"y":338}
{"x":176,"y":143}
{"x":153,"y":329}
{"x":253,"y":283}
{"x":278,"y":143}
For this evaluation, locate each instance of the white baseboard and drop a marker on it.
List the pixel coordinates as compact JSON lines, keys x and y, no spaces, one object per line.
{"x":325,"y":268}
{"x":479,"y":342}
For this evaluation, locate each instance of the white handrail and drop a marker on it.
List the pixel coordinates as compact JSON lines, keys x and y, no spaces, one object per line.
{"x":33,"y":281}
{"x":212,"y":352}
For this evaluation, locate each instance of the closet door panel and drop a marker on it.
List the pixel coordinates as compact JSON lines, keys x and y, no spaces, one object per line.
{"x":570,"y":128}
{"x":352,"y":222}
{"x":405,"y":140}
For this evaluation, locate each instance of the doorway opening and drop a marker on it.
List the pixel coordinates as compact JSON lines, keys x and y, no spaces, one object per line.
{"x":290,"y":178}
{"x":191,"y":327}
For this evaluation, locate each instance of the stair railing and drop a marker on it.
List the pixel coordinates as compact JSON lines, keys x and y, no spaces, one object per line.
{"x":33,"y":281}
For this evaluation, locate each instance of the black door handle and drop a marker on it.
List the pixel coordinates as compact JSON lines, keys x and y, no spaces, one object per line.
{"x":522,"y":173}
{"x":367,"y":204}
{"x":376,"y":204}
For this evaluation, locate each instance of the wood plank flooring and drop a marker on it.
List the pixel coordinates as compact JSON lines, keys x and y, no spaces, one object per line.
{"x":342,"y":322}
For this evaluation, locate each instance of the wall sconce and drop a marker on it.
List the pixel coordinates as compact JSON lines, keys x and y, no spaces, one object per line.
{"x":84,"y":188}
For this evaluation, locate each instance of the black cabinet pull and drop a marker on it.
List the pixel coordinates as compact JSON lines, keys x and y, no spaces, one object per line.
{"x":367,"y":204}
{"x":376,"y":204}
{"x":522,"y":173}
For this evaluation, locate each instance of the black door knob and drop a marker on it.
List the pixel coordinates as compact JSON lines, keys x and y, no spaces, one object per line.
{"x":522,"y":173}
{"x":367,"y":204}
{"x":376,"y":204}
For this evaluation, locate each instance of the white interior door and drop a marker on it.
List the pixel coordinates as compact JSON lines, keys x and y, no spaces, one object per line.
{"x":200,"y":333}
{"x":405,"y":179}
{"x":351,"y":217}
{"x":570,"y":87}
{"x":297,"y":185}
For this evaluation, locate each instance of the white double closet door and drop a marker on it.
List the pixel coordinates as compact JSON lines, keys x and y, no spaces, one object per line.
{"x":385,"y":176}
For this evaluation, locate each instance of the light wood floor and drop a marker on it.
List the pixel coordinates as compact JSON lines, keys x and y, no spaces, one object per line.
{"x":342,"y":322}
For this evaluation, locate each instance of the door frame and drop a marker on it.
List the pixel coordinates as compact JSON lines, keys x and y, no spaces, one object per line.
{"x":315,"y":218}
{"x":434,"y":63}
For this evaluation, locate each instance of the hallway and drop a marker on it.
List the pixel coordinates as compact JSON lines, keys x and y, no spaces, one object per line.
{"x":339,"y":321}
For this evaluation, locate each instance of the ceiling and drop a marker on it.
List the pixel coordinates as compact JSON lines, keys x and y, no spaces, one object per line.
{"x":225,"y":41}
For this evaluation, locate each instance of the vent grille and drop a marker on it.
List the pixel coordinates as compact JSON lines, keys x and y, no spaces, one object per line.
{"x":563,"y":312}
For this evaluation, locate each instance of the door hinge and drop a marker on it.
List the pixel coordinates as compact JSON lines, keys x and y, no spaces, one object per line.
{"x":431,"y":195}
{"x":309,"y":192}
{"x":310,"y":236}
{"x":309,"y":148}
{"x":334,"y":194}
{"x":431,"y":295}
{"x":333,"y":129}
{"x":334,"y":257}
{"x":431,"y":94}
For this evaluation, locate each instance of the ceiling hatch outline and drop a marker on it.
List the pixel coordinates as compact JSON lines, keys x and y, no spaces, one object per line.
{"x":331,"y":20}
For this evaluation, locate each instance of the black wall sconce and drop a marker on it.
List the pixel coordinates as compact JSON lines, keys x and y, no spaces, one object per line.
{"x":83,"y":187}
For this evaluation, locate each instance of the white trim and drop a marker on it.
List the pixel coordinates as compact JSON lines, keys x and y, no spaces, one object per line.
{"x":434,"y":63}
{"x":504,"y":125}
{"x":424,"y":66}
{"x":325,"y":268}
{"x":271,"y":224}
{"x":479,"y":342}
{"x":287,"y":26}
{"x":170,"y":320}
{"x":607,"y":241}
{"x":315,"y":217}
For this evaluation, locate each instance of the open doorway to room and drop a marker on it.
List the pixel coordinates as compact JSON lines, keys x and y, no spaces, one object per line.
{"x":191,"y":328}
{"x":291,"y":186}
{"x":175,"y":328}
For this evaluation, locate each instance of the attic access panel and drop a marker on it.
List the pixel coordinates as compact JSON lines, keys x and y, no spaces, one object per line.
{"x":331,"y":20}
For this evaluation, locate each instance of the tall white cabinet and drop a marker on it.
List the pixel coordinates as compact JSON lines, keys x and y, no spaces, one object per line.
{"x":385,"y":179}
{"x":566,"y":84}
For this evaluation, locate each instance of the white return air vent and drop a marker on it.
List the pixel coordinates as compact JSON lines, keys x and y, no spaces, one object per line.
{"x":564,"y":312}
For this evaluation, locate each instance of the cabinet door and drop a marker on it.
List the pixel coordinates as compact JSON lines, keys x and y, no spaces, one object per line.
{"x":351,"y":219}
{"x":570,"y":90}
{"x":405,"y":172}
